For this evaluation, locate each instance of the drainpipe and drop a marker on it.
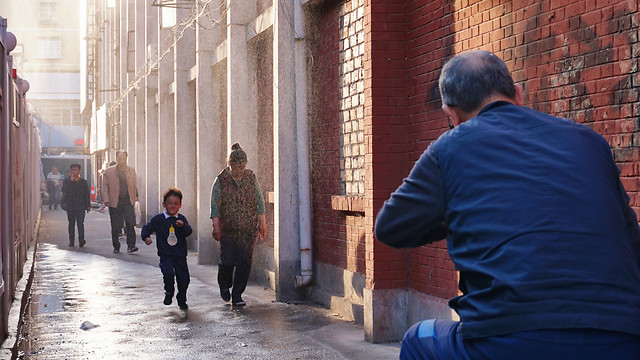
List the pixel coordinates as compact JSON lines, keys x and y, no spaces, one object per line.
{"x":304,"y":196}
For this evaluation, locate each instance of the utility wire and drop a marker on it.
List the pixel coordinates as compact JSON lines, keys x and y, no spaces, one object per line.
{"x":152,"y":64}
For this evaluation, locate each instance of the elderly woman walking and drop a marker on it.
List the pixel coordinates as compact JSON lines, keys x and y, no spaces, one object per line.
{"x":238,"y":216}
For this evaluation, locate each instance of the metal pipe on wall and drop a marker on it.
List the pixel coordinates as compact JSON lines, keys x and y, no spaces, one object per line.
{"x":302,"y":134}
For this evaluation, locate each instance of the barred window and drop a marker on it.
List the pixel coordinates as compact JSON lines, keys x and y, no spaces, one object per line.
{"x":351,"y":92}
{"x":47,"y":13}
{"x":61,"y":116}
{"x":49,"y":47}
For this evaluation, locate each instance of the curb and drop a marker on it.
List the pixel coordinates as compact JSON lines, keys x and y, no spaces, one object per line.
{"x":15,"y":320}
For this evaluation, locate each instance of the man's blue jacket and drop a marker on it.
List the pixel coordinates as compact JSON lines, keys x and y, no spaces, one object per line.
{"x":536,"y":219}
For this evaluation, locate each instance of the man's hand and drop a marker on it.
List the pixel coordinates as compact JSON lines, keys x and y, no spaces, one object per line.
{"x":262,"y":225}
{"x":179,"y":223}
{"x":215,"y":222}
{"x":88,"y":208}
{"x":148,"y":241}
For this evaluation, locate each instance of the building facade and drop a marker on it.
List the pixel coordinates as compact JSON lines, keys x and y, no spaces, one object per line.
{"x":334,"y":101}
{"x":47,"y":54}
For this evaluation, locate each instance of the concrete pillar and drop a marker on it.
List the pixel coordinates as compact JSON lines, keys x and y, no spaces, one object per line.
{"x":166,"y":126}
{"x":208,"y":129}
{"x":121,"y":122}
{"x":130,"y":129}
{"x":185,"y":126}
{"x":286,"y":221}
{"x":241,"y":85}
{"x":152,"y":203}
{"x":138,"y":158}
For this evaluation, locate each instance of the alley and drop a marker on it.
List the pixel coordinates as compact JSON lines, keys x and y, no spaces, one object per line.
{"x":88,"y":303}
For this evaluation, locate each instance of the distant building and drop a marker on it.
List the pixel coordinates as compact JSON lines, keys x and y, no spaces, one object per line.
{"x":48,"y":54}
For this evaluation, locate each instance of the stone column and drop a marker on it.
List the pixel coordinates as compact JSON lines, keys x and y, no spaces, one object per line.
{"x":287,"y":226}
{"x":121,"y":122}
{"x":152,"y":203}
{"x":185,"y":125}
{"x":137,"y":158}
{"x":241,"y":85}
{"x":130,"y":129}
{"x":208,"y":130}
{"x":165,"y":99}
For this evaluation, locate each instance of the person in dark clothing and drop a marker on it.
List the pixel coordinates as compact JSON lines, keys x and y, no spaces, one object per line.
{"x":237,"y":215}
{"x":75,"y":201}
{"x":171,"y":229}
{"x":537,"y":222}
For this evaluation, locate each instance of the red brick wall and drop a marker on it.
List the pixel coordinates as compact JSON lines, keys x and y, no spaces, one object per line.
{"x":386,"y":120}
{"x":576,"y":59}
{"x":430,"y":40}
{"x":329,"y":227}
{"x":573,"y":62}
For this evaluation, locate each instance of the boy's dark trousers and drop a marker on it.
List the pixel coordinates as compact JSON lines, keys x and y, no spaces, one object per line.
{"x":236,"y":250}
{"x":124,"y":213}
{"x":76,"y":216}
{"x":175,"y":266}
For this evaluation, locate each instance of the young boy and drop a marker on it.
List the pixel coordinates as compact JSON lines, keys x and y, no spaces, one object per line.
{"x":171,"y":231}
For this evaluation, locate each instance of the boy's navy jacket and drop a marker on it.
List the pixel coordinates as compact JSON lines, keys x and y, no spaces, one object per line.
{"x":160,"y":225}
{"x":537,"y":222}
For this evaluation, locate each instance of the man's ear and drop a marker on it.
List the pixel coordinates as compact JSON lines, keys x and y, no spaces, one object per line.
{"x":452,"y":114}
{"x":519,"y":94}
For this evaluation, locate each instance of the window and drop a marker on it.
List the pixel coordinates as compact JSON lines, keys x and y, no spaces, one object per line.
{"x":47,"y":13}
{"x":49,"y":47}
{"x":168,"y":17}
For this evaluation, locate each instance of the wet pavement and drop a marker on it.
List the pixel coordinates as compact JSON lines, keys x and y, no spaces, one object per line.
{"x":88,"y":303}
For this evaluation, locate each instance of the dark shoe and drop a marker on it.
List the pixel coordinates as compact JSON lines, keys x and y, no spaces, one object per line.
{"x":239,"y":303}
{"x":183,"y":305}
{"x":116,"y":251}
{"x":168,"y":298}
{"x":132,"y":250}
{"x":71,"y":244}
{"x":82,"y":242}
{"x":225,"y":294}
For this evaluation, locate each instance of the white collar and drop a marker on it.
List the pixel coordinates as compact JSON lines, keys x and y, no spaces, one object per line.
{"x":166,"y":216}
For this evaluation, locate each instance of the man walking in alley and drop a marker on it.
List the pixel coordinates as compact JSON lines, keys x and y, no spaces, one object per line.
{"x":75,"y":201}
{"x":119,"y":193}
{"x":54,"y":186}
{"x":537,"y":222}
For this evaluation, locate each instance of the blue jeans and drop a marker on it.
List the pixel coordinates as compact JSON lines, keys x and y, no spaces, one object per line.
{"x":76,"y":216}
{"x":442,"y":339}
{"x":54,"y":198}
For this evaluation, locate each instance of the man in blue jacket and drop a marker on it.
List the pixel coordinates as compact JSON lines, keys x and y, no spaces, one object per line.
{"x":537,"y":223}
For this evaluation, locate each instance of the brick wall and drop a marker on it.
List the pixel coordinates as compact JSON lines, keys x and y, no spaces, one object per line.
{"x":351,"y":92}
{"x":575,"y":59}
{"x":386,"y":119}
{"x":329,"y":233}
{"x":573,"y":62}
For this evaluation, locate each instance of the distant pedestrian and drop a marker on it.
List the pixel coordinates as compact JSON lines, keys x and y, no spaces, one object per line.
{"x":238,"y":215}
{"x":171,"y":229}
{"x":119,"y":194}
{"x":54,"y":187}
{"x":75,"y":201}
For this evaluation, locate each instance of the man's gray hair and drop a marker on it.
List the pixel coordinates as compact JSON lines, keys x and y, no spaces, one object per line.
{"x":468,"y":79}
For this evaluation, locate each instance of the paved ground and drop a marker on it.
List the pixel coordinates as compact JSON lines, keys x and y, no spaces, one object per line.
{"x":122,"y":294}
